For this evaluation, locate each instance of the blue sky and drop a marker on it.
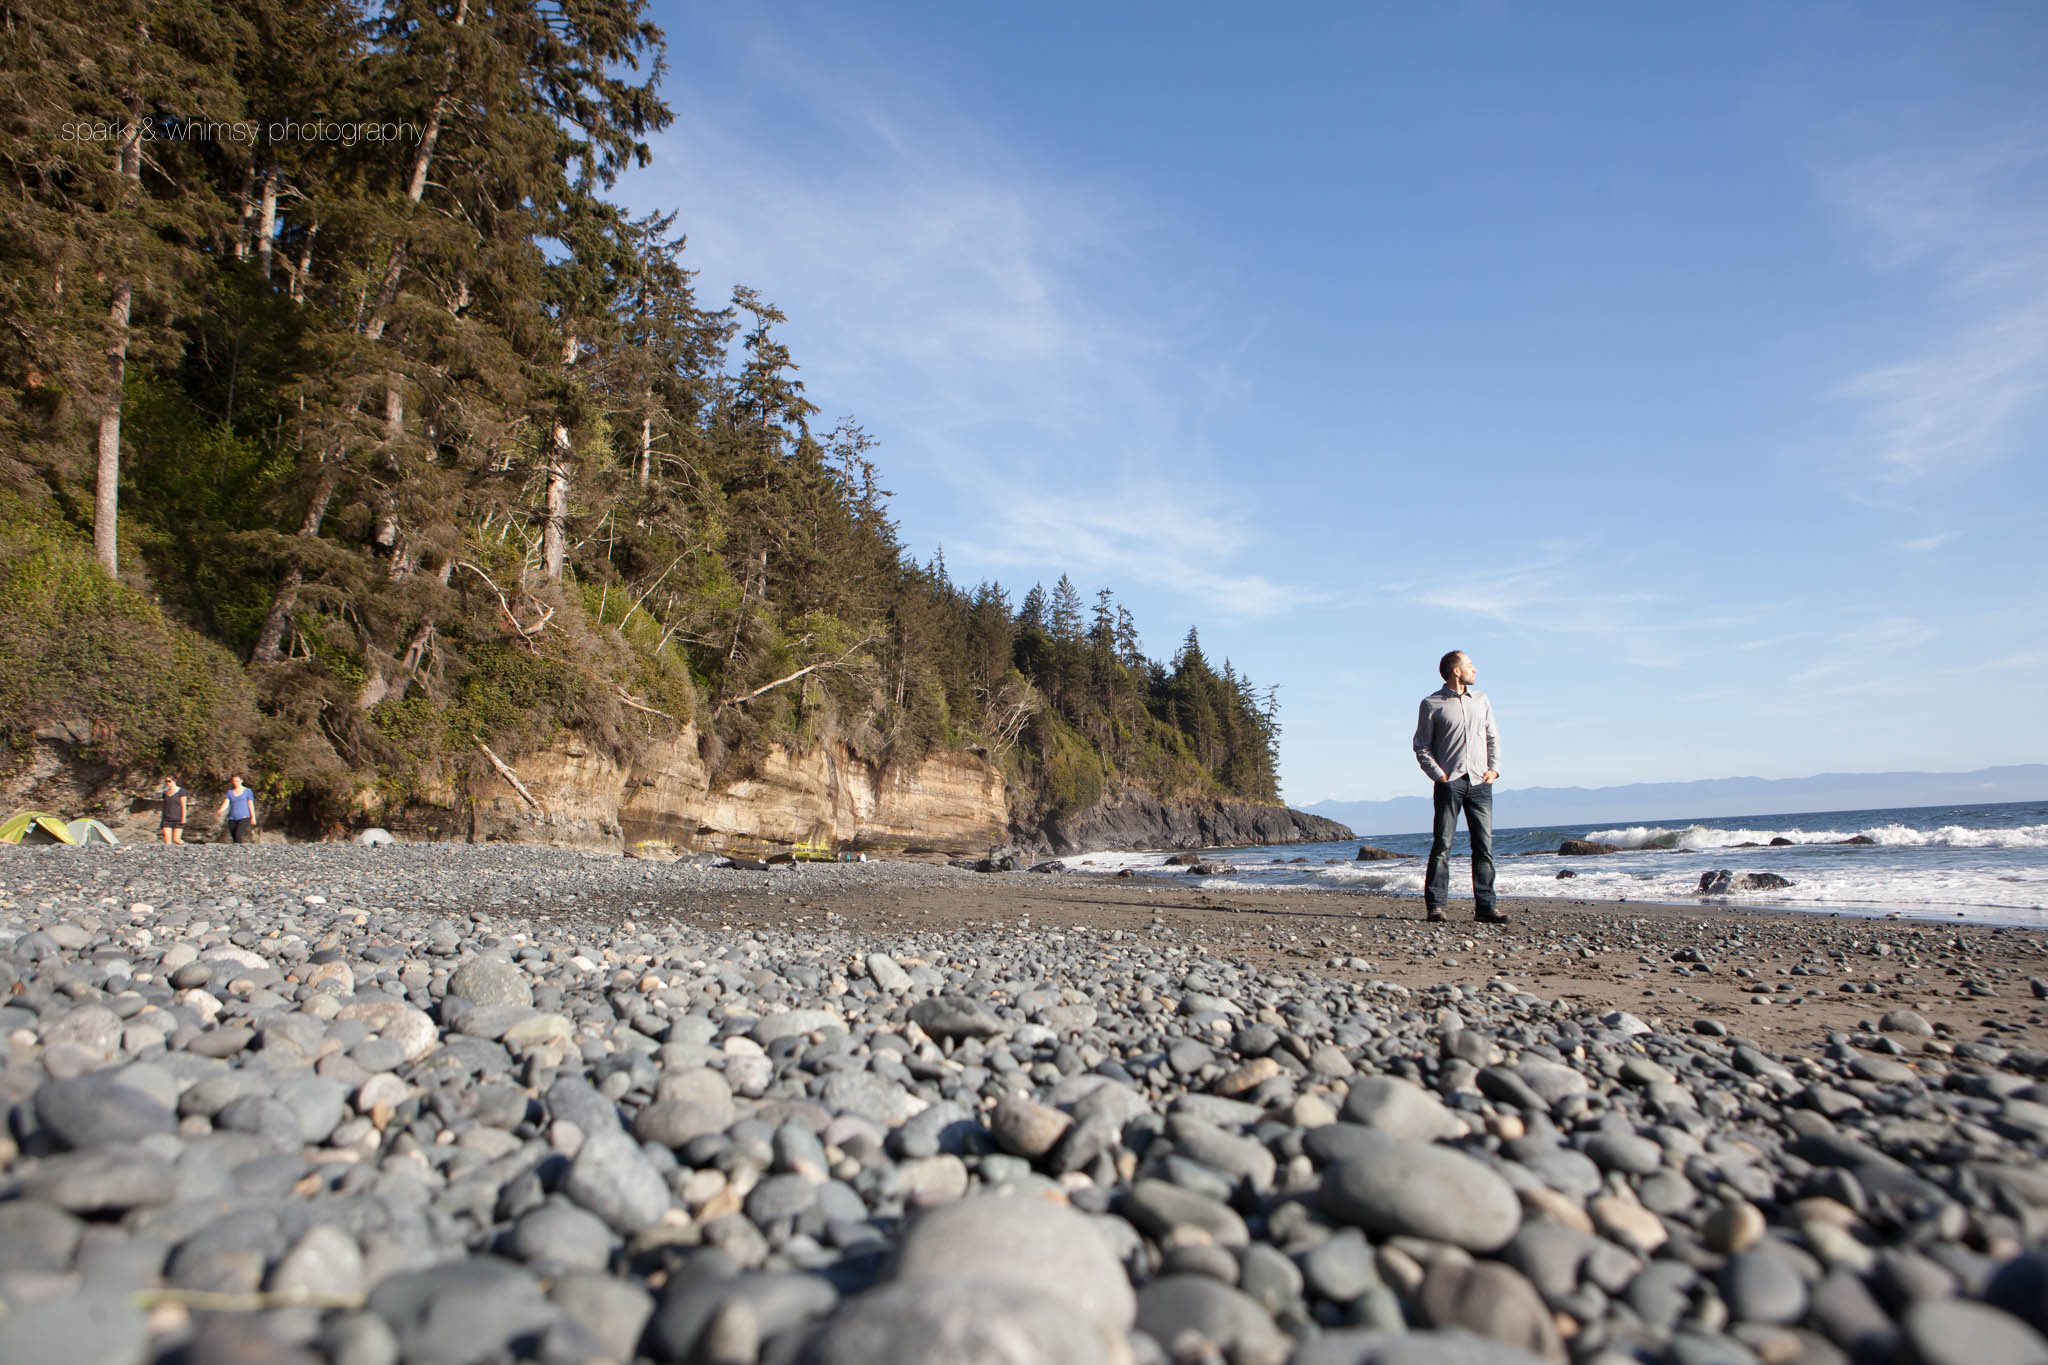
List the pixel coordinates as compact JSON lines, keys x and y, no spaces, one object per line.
{"x":1686,"y":365}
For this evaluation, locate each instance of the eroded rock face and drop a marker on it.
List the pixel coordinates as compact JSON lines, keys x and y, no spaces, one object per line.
{"x":951,"y":801}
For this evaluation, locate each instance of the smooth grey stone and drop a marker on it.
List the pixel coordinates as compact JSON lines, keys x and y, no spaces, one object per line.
{"x":790,"y":1023}
{"x":462,"y":1311}
{"x":1379,"y":1346}
{"x":1552,"y":1081}
{"x":37,"y":1237}
{"x":886,"y":974}
{"x":101,"y":1181}
{"x":868,"y":1096}
{"x":1224,"y":1113}
{"x":1174,"y":1304}
{"x":1334,"y":1142}
{"x":493,"y":1022}
{"x":1410,"y":1188}
{"x":316,"y":1103}
{"x":261,"y":1114}
{"x":1268,"y":1278}
{"x":1400,"y":1109}
{"x":1202,"y":1258}
{"x":780,"y":1196}
{"x":562,"y":1234}
{"x":1342,"y":1267}
{"x":958,"y":1322}
{"x":1551,"y":1255}
{"x":223,"y":1042}
{"x":121,"y":1262}
{"x":1666,"y":1193}
{"x":1907,"y":1022}
{"x":96,"y":1327}
{"x":674,"y":1123}
{"x":576,"y":1100}
{"x":491,"y":981}
{"x":955,"y":1016}
{"x":1024,"y":1241}
{"x":1566,"y":1171}
{"x":1155,"y":1208}
{"x":1851,"y":1317}
{"x":1507,"y":1086}
{"x":1662,"y":1293}
{"x":359,"y":1338}
{"x":1762,"y":1286}
{"x":776,"y":1301}
{"x":377,"y":1054}
{"x":1023,"y":1126}
{"x":2020,"y":1287}
{"x":1625,"y":1152}
{"x":1959,"y":1332}
{"x":1243,"y":1157}
{"x":1701,"y":1348}
{"x":613,"y":1178}
{"x":207,"y":1096}
{"x":325,"y":1260}
{"x":945,"y":1127}
{"x":97,"y":1108}
{"x":1491,"y":1299}
{"x":614,"y":1311}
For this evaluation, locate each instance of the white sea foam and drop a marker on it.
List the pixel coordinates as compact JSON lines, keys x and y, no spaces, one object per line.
{"x":1700,"y":838}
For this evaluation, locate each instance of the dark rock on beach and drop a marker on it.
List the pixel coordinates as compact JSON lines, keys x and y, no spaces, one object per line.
{"x":1584,"y":848}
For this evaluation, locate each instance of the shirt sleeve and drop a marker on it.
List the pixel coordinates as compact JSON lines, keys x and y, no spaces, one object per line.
{"x":1422,"y":738}
{"x":1492,"y":739}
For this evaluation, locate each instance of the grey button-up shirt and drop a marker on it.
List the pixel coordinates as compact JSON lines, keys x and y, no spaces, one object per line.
{"x":1455,"y":735}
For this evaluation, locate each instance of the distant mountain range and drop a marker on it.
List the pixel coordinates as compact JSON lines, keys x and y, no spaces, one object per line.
{"x":1648,"y":802}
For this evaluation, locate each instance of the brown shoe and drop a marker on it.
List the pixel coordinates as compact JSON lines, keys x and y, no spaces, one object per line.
{"x":1490,"y":917}
{"x":1437,"y":917}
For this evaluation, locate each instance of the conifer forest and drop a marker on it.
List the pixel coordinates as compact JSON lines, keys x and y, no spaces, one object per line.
{"x":347,"y":426}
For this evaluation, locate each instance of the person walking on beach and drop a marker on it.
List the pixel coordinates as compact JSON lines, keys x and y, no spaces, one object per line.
{"x":173,"y":826}
{"x":239,"y":806}
{"x":1458,"y":745}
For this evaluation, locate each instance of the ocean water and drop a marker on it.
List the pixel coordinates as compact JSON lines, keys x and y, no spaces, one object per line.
{"x":1982,"y":864}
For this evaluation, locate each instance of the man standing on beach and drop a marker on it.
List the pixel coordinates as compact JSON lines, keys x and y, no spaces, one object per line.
{"x":1458,"y":745}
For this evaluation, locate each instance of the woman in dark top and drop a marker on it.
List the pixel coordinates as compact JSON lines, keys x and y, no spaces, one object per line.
{"x":174,"y":812}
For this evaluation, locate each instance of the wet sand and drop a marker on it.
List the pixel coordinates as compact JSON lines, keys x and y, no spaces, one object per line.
{"x":1807,"y":975}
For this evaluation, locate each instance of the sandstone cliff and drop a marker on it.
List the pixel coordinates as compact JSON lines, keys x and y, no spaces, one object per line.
{"x":577,"y":797}
{"x":953,"y":802}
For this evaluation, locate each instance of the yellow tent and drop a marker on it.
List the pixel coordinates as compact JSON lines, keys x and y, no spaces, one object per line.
{"x":35,"y":827}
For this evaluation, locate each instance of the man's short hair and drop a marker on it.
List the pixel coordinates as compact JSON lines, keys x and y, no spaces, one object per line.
{"x":1445,"y":664}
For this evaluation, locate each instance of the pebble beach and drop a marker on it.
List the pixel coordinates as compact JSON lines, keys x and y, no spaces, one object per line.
{"x":440,"y":1104}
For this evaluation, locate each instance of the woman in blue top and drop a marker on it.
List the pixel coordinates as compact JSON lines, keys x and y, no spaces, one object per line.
{"x":240,"y":808}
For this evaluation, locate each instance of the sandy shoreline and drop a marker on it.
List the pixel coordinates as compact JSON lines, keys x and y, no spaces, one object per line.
{"x":1606,"y":954}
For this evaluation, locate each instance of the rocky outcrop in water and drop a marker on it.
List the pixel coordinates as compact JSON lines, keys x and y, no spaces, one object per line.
{"x":1133,"y":819}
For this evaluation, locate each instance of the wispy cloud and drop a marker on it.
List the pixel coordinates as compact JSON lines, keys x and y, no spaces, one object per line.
{"x":962,"y":302}
{"x":1926,"y":545}
{"x":1980,"y":222}
{"x":1546,"y":591}
{"x":1096,"y":533}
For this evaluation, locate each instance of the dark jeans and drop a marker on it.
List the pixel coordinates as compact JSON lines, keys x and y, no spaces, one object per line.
{"x":242,"y":830}
{"x":1476,"y":798}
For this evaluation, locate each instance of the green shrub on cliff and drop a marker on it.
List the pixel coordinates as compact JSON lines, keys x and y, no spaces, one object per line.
{"x":77,"y":646}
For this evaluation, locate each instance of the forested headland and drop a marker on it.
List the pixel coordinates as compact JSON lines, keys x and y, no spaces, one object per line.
{"x":347,"y":427}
